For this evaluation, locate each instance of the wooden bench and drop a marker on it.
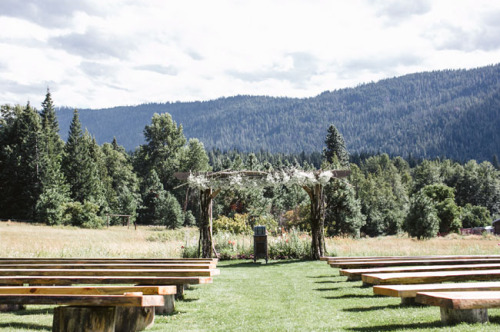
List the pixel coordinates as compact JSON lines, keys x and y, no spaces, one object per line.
{"x":388,"y":258}
{"x":168,"y":293}
{"x":169,"y":266}
{"x":458,"y":307}
{"x":355,"y":274}
{"x":4,"y":260}
{"x":407,"y":293}
{"x":111,"y":272}
{"x":429,"y":277}
{"x":413,"y":262}
{"x":94,"y":312}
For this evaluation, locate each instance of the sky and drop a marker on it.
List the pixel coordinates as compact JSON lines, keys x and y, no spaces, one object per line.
{"x":96,"y":54}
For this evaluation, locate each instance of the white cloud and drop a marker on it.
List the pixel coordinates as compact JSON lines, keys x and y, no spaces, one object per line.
{"x":105,"y":53}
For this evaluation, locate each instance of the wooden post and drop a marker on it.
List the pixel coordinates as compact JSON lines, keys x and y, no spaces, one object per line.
{"x":206,"y":243}
{"x":317,"y":220}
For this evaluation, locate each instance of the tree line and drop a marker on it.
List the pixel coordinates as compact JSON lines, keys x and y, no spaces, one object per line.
{"x":79,"y":182}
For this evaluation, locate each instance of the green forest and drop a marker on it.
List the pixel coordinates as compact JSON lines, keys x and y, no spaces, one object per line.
{"x":451,"y":114}
{"x":77,"y":182}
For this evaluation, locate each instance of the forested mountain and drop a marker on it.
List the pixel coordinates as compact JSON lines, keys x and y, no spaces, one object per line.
{"x":451,"y":113}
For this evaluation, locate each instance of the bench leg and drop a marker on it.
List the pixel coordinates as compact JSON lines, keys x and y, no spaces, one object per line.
{"x":180,"y":292}
{"x":11,"y":307}
{"x":408,"y":301}
{"x":454,"y":316}
{"x":134,"y":318}
{"x":169,"y":306}
{"x":80,"y":319}
{"x":354,"y":278}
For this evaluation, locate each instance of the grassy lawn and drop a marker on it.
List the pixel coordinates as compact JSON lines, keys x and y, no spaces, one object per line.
{"x":279,"y":296}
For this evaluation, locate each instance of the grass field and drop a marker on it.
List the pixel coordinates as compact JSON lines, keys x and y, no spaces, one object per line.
{"x":279,"y":296}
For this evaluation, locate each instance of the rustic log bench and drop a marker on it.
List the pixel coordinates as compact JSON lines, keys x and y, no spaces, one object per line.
{"x":94,"y":312}
{"x":388,"y":258}
{"x":413,"y":262}
{"x":429,"y":277}
{"x":111,"y":272}
{"x":407,"y":293}
{"x":355,"y":274}
{"x":168,"y":293}
{"x":179,"y":282}
{"x":109,"y":260}
{"x":147,"y":266}
{"x":458,"y":307}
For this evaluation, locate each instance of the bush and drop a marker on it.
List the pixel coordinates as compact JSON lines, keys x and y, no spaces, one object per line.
{"x":290,"y":245}
{"x":475,"y":216}
{"x":171,"y":213}
{"x":50,"y":207}
{"x":422,"y":220}
{"x":236,"y":225}
{"x":189,"y":219}
{"x":82,"y":215}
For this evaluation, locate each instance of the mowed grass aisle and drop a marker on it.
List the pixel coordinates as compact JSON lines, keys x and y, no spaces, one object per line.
{"x":279,"y":296}
{"x":298,"y":296}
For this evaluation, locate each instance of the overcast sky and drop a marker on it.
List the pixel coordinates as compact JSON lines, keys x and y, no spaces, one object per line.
{"x":94,"y":54}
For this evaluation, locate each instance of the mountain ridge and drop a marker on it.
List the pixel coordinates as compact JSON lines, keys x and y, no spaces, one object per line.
{"x":447,"y":113}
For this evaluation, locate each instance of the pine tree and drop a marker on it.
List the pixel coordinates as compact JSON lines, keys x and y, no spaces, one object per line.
{"x":335,"y":151}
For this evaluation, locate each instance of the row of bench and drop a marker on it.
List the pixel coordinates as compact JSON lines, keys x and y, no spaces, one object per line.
{"x":151,"y":286}
{"x":419,"y":279}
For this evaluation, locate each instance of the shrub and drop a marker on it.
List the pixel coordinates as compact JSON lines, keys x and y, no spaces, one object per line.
{"x":290,"y":245}
{"x":475,"y":216}
{"x":50,"y":207}
{"x":236,"y":225}
{"x":82,"y":215}
{"x":422,"y":220}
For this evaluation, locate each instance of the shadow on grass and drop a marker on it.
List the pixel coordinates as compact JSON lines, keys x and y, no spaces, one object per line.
{"x":26,"y":326}
{"x":397,"y":327}
{"x":251,"y":264}
{"x":189,"y":300}
{"x":381,"y":307}
{"x":323,"y":276}
{"x":348,"y":296}
{"x":26,"y":312}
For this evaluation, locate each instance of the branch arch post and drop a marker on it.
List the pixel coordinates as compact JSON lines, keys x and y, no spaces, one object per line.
{"x":312,"y":182}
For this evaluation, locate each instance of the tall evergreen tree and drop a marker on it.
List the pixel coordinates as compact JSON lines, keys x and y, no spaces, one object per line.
{"x":21,"y":161}
{"x":335,"y":151}
{"x":80,"y":165}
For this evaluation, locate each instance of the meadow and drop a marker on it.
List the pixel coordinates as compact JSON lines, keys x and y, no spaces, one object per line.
{"x":284,"y":295}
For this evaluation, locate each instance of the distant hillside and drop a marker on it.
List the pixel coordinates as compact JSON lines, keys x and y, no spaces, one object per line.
{"x":451,"y":113}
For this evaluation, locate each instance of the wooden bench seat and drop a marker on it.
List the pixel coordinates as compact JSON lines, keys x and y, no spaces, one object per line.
{"x":458,"y":307}
{"x":164,"y":266}
{"x":4,"y":260}
{"x":94,"y":312}
{"x":168,"y":293}
{"x":111,"y":272}
{"x":389,"y":258}
{"x":407,"y":293}
{"x":355,"y":274}
{"x":416,"y":262}
{"x":429,"y":277}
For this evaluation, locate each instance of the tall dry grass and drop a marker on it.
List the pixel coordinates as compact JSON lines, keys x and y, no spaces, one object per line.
{"x":403,"y":246}
{"x":31,"y":240}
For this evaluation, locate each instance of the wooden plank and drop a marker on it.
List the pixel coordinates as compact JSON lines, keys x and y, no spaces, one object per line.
{"x":429,"y":277}
{"x":85,"y":300}
{"x":461,"y":300}
{"x":107,"y":266}
{"x":79,"y":280}
{"x":108,"y":260}
{"x":110,"y":272}
{"x":356,"y":273}
{"x":410,"y":291}
{"x":89,"y":290}
{"x":389,"y":258}
{"x":369,"y":264}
